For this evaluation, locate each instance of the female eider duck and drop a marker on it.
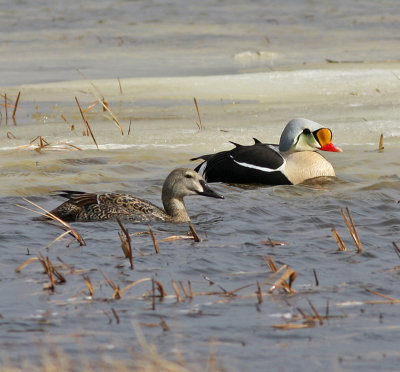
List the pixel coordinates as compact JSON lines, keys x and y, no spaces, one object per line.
{"x":181,"y":182}
{"x":293,"y":161}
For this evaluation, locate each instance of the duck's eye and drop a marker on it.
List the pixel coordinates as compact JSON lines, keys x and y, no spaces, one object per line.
{"x":306,"y":131}
{"x":188,"y":176}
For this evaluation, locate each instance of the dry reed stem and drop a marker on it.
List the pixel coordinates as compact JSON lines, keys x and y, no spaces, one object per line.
{"x":292,"y":326}
{"x":183,"y":289}
{"x":129,"y":129}
{"x":318,"y":316}
{"x":316,"y":278}
{"x":352,"y":229}
{"x":160,"y":287}
{"x":272,"y":243}
{"x":117,"y":292}
{"x":176,"y":289}
{"x":190,"y":289}
{"x":16,"y":105}
{"x":115,"y":315}
{"x":194,"y":233}
{"x":380,"y":148}
{"x":47,"y":213}
{"x":105,"y":107}
{"x":396,"y":249}
{"x":89,"y":285}
{"x":175,"y":237}
{"x":72,"y":126}
{"x":26,"y":263}
{"x":199,"y":123}
{"x":281,"y":282}
{"x":339,"y":241}
{"x":5,"y":107}
{"x":156,"y":247}
{"x":58,"y":238}
{"x":270,"y":263}
{"x":43,"y":144}
{"x":125,"y":242}
{"x":392,"y":299}
{"x":259,"y":294}
{"x":69,"y":267}
{"x":120,"y":86}
{"x":86,"y":123}
{"x":11,"y":135}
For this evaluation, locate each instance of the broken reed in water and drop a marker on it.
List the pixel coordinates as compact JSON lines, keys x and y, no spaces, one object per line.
{"x":199,"y":123}
{"x":381,"y":148}
{"x":125,"y":242}
{"x":59,"y":222}
{"x":352,"y":230}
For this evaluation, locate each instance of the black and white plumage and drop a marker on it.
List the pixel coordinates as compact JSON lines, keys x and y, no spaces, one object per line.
{"x":293,"y":161}
{"x":181,"y":182}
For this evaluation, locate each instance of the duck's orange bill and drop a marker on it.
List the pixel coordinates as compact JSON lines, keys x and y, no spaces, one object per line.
{"x":324,"y":137}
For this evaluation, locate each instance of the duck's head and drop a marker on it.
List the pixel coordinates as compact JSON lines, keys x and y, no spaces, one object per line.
{"x":306,"y":135}
{"x":184,"y":182}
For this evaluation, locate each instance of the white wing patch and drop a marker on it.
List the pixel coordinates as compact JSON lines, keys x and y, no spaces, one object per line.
{"x":263,"y":169}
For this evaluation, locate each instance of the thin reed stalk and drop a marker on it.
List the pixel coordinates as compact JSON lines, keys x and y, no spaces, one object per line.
{"x":339,"y":241}
{"x":153,"y":238}
{"x":125,"y":242}
{"x":352,"y":229}
{"x":381,"y":148}
{"x":199,"y":123}
{"x":88,"y":129}
{"x":16,"y":105}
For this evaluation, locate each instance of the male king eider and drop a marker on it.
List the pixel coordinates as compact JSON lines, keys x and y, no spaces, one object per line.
{"x":181,"y":182}
{"x":293,"y":161}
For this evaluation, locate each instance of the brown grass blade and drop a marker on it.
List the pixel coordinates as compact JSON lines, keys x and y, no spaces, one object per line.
{"x":292,"y":326}
{"x":272,"y":243}
{"x":176,"y":290}
{"x":270,"y":263}
{"x":6,"y":107}
{"x":54,"y":218}
{"x":160,"y":287}
{"x":382,"y":295}
{"x":183,"y":288}
{"x":89,"y":285}
{"x":199,"y":123}
{"x":86,"y":123}
{"x":117,"y":293}
{"x":16,"y":105}
{"x":194,"y":233}
{"x":352,"y":229}
{"x":259,"y":294}
{"x":339,"y":241}
{"x":125,"y":242}
{"x":156,"y":247}
{"x":26,"y":263}
{"x":105,"y":107}
{"x":396,"y":249}
{"x":120,"y":86}
{"x":381,"y":148}
{"x":290,"y":275}
{"x":176,"y":237}
{"x":318,"y":316}
{"x":190,"y":289}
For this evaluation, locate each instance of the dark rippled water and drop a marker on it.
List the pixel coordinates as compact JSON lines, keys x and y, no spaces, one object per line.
{"x":231,"y":255}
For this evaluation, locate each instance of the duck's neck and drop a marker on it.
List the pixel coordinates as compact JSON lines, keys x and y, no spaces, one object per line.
{"x":176,"y":209}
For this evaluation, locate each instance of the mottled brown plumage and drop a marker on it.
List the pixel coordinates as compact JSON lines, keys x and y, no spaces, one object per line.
{"x":180,"y":182}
